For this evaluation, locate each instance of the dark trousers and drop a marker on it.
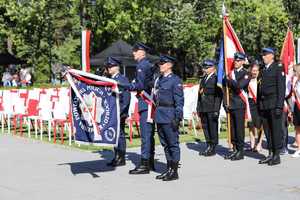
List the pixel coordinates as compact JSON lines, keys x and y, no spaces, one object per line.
{"x":169,"y":139}
{"x":285,"y":131}
{"x":272,"y":125}
{"x":147,"y":136}
{"x":237,"y":123}
{"x":122,"y":138}
{"x":210,"y":127}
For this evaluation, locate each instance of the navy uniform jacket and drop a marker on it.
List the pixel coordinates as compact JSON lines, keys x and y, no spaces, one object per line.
{"x":143,"y":82}
{"x":241,"y":82}
{"x":169,"y":99}
{"x":124,"y":96}
{"x":272,"y":87}
{"x":210,"y":95}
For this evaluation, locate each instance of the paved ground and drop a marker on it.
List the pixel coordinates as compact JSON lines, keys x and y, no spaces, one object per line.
{"x":33,"y":170}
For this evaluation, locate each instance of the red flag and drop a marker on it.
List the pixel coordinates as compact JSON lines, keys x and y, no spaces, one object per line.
{"x":231,"y":44}
{"x":288,"y":51}
{"x":85,"y":52}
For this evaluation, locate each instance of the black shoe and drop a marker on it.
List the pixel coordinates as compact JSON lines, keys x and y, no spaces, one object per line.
{"x":230,"y":155}
{"x":151,"y":163}
{"x":275,"y":159}
{"x":112,"y":163}
{"x":120,"y":161}
{"x":211,"y":151}
{"x":266,"y":159}
{"x":204,"y":153}
{"x":172,"y":173}
{"x":238,"y":156}
{"x":143,"y":168}
{"x":162,"y":175}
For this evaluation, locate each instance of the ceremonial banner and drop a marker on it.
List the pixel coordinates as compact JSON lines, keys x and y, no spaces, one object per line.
{"x":95,"y":108}
{"x":287,"y":56}
{"x":221,"y":65}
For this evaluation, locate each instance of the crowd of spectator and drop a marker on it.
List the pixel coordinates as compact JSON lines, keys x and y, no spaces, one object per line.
{"x":13,"y":77}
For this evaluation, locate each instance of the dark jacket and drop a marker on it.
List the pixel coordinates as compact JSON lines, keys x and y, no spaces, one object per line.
{"x":124,"y":97}
{"x":235,"y":86}
{"x":169,"y":99}
{"x":210,"y":95}
{"x":271,"y":93}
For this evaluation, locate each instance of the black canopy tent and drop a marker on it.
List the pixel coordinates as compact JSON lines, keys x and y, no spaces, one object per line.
{"x":122,"y":51}
{"x":7,"y":59}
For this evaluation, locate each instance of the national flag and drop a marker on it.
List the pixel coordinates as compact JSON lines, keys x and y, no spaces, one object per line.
{"x":287,"y":58}
{"x":85,"y":51}
{"x":231,"y":46}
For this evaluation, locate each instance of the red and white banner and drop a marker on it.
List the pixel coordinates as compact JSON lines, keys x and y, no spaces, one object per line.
{"x":85,"y":52}
{"x":231,"y":46}
{"x":287,"y":56}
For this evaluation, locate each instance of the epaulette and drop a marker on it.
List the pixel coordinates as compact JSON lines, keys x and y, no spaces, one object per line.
{"x":280,"y":64}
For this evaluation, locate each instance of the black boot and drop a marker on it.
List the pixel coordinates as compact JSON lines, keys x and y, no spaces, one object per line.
{"x":231,"y":154}
{"x":162,"y":175}
{"x":143,"y":168}
{"x":238,"y":156}
{"x":211,"y":151}
{"x":151,"y":163}
{"x":266,"y":159}
{"x":275,"y":159}
{"x":112,"y":163}
{"x":120,"y":160}
{"x":172,"y":173}
{"x":204,"y":153}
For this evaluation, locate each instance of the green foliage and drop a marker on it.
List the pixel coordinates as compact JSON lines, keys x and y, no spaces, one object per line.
{"x":46,"y":32}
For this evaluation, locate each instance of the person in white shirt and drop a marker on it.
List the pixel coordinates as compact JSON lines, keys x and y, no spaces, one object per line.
{"x":255,"y":126}
{"x":296,"y":110}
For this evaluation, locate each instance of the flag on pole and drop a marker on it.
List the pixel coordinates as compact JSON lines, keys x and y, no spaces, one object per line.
{"x":85,"y":51}
{"x":231,"y":46}
{"x":287,"y":58}
{"x":287,"y":55}
{"x":95,"y":108}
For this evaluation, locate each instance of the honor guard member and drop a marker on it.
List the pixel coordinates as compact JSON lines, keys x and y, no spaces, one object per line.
{"x":169,"y":100}
{"x":237,"y":81}
{"x":143,"y":84}
{"x":209,"y":102}
{"x":271,"y":100}
{"x":112,"y":66}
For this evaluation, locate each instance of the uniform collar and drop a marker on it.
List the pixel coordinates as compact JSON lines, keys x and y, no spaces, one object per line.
{"x":268,"y":65}
{"x":168,"y":75}
{"x":208,"y":76}
{"x":115,"y":75}
{"x":239,"y":69}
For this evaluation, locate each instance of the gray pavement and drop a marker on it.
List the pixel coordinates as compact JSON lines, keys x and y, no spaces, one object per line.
{"x":35,"y":170}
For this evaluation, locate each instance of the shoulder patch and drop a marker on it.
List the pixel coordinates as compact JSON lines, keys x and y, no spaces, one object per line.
{"x":280,"y":65}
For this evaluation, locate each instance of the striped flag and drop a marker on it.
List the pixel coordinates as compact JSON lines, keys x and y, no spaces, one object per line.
{"x":85,"y":51}
{"x":231,"y":46}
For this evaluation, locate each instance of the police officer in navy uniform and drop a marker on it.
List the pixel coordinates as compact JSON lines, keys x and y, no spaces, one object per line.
{"x":112,"y":66}
{"x":209,"y":102}
{"x":143,"y":84}
{"x":236,"y":106}
{"x":169,"y":100}
{"x":271,"y":100}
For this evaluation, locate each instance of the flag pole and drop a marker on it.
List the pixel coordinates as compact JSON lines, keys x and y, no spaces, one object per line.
{"x":226,"y":86}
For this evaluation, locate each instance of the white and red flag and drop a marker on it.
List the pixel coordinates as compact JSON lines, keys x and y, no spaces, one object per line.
{"x":85,"y":50}
{"x":231,"y":46}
